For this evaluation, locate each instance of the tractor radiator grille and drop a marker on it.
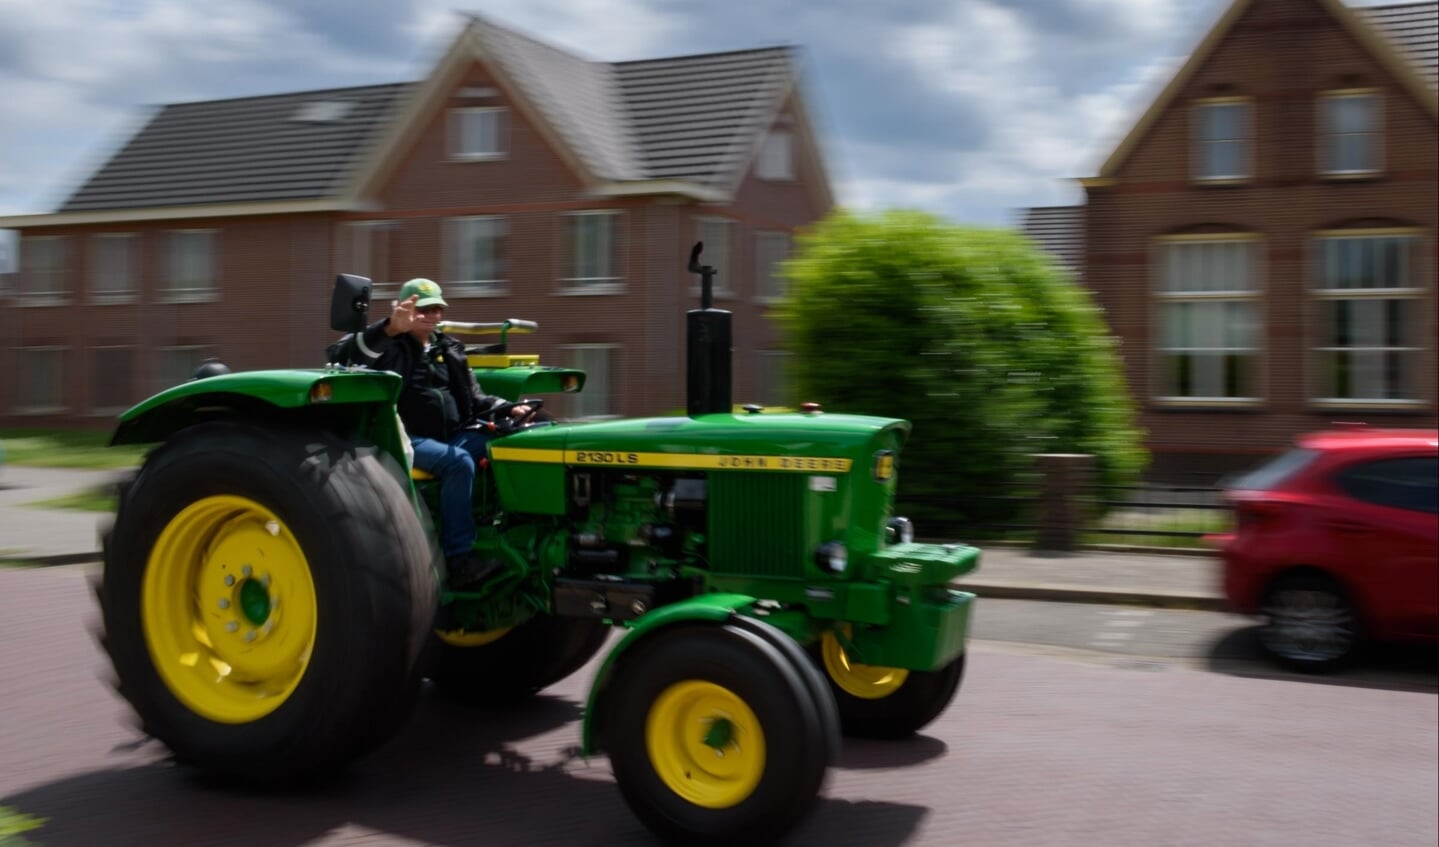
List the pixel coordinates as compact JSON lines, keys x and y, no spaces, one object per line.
{"x":756,"y":524}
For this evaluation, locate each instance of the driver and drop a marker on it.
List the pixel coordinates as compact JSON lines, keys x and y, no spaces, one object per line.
{"x":440,"y":405}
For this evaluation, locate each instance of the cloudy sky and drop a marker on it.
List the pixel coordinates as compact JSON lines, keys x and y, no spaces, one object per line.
{"x":968,"y":108}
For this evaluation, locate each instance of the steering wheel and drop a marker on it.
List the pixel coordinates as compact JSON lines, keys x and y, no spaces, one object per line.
{"x":504,"y":424}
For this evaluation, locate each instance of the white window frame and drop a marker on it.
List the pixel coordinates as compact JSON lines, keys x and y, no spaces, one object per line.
{"x":465,"y":148}
{"x":769,"y":284}
{"x":721,"y":258}
{"x":366,"y":250}
{"x":580,"y":404}
{"x":1327,"y":136}
{"x":575,"y":279}
{"x":97,"y":355}
{"x":768,"y":388}
{"x":460,"y":282}
{"x":26,"y":370}
{"x":775,"y":162}
{"x":208,"y":290}
{"x":57,"y":291}
{"x":1414,"y":267}
{"x":99,"y":266}
{"x":1201,"y":142}
{"x":160,"y":379}
{"x":1164,"y":296}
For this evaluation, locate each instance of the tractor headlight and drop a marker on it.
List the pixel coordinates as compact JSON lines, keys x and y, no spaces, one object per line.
{"x":899,"y":531}
{"x":831,"y":557}
{"x":321,"y":392}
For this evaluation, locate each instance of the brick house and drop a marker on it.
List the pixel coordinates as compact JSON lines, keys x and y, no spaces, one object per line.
{"x":1263,"y":241}
{"x":530,"y":182}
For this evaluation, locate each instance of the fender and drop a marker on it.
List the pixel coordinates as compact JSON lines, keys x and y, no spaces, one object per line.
{"x":706,"y":608}
{"x":269,"y":394}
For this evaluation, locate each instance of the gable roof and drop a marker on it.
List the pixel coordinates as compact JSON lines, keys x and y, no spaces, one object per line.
{"x":273,"y":148}
{"x":1059,"y":231}
{"x":1404,"y":39}
{"x":686,"y":125}
{"x":1413,"y":29}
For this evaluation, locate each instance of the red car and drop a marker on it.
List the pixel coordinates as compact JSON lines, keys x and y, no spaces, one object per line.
{"x":1337,"y":541}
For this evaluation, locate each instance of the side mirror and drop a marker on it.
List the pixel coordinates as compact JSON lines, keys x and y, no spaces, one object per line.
{"x":350,"y":303}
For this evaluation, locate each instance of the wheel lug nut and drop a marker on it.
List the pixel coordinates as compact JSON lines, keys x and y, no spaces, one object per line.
{"x":250,"y":636}
{"x":231,"y":626}
{"x":245,"y":570}
{"x":224,"y":604}
{"x":229,"y":579}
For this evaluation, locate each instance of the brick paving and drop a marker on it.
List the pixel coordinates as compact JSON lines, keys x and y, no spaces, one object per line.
{"x":1037,"y":750}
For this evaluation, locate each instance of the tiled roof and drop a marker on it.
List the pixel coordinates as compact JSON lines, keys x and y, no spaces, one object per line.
{"x":692,"y":118}
{"x":1059,"y":231}
{"x":1414,"y":30}
{"x":697,"y":117}
{"x":277,"y":147}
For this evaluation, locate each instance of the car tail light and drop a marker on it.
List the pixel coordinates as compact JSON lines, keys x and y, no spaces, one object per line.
{"x":1250,"y":515}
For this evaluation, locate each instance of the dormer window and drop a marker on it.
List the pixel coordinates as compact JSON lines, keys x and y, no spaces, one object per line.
{"x":1223,"y":129}
{"x":776,"y":156}
{"x":1350,"y":133}
{"x":477,"y":133}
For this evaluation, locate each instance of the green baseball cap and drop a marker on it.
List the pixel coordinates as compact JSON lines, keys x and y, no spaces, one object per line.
{"x":428,"y":290}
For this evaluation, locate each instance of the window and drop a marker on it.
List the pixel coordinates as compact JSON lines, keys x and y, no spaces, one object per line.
{"x":771,"y":248}
{"x":477,"y":255}
{"x":598,"y":398}
{"x":1349,"y":124}
{"x":192,"y":265}
{"x":591,"y":251}
{"x":1221,"y":139}
{"x":477,"y":133}
{"x":1404,"y":482}
{"x":42,"y":269}
{"x":715,"y":233}
{"x":42,"y":379}
{"x":367,"y":250}
{"x":776,"y":156}
{"x":1208,"y":313}
{"x":112,"y":379}
{"x":1370,"y":305}
{"x":113,"y":265}
{"x":174,"y":365}
{"x":772,"y":378}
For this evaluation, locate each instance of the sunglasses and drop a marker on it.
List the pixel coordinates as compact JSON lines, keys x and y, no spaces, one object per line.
{"x":432,"y":310}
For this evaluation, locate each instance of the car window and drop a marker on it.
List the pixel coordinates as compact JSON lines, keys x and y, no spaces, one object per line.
{"x":1273,"y":472}
{"x":1408,"y":482}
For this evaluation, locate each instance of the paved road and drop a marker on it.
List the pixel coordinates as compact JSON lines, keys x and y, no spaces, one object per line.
{"x":1046,"y":745}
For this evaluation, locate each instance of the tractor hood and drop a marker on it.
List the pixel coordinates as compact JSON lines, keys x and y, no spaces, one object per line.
{"x":779,"y":442}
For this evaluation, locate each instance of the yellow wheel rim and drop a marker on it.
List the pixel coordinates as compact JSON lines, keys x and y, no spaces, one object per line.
{"x":705,"y":744}
{"x":461,"y":638}
{"x":868,"y":682}
{"x":228,"y":609}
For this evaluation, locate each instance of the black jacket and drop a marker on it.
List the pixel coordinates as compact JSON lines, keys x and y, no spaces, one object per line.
{"x":440,"y":395}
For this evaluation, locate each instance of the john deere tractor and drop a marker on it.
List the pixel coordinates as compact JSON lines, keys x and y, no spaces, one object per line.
{"x":272,"y":593}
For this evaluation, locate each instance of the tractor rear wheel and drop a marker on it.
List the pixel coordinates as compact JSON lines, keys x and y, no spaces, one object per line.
{"x":505,"y":667}
{"x":266,"y":598}
{"x":880,"y":702}
{"x":716,"y":737}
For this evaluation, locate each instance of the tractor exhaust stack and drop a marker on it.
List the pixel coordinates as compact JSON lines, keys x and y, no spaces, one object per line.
{"x":708,"y":347}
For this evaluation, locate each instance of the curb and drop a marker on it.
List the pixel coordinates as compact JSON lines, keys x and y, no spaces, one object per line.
{"x":996,"y":591}
{"x":1110,"y":596}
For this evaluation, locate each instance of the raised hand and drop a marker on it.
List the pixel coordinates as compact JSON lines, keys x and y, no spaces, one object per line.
{"x":402,"y":318}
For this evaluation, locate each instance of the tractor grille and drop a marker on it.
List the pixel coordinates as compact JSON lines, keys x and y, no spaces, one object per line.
{"x":757,"y":525}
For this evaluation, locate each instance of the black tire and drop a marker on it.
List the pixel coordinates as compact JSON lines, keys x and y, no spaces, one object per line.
{"x":1311,"y":624}
{"x":913,"y":705}
{"x":340,"y":510}
{"x":519,"y":664}
{"x":800,"y":739}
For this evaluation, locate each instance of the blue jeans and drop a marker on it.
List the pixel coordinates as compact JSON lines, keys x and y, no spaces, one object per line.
{"x":453,"y":463}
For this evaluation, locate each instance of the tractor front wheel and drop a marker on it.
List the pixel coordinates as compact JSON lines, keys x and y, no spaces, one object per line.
{"x":881,"y":702}
{"x":266,"y":597}
{"x":717,"y":736}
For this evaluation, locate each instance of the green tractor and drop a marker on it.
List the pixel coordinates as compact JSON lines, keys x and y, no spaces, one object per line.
{"x":272,"y":597}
